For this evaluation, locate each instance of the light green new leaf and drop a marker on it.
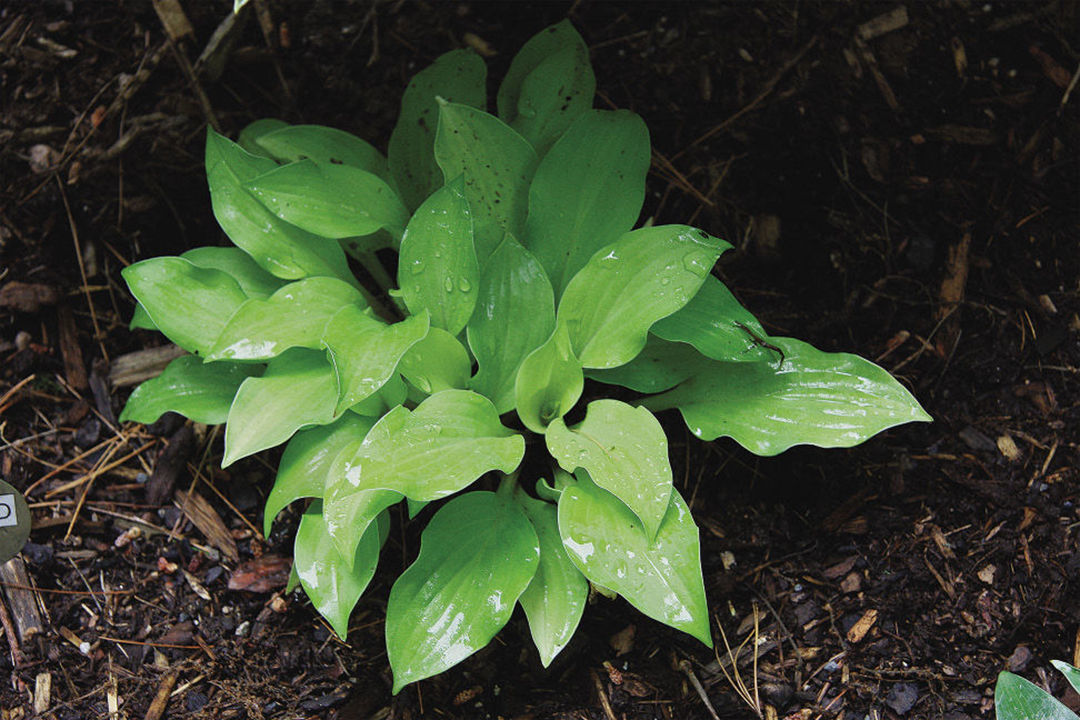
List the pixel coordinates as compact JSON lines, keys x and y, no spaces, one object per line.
{"x":437,"y":268}
{"x":555,"y":94}
{"x":305,"y":465}
{"x":189,"y":304}
{"x":438,"y":362}
{"x":515,"y":314}
{"x":393,"y":393}
{"x":140,"y":319}
{"x":333,"y":584}
{"x":588,"y":191}
{"x":365,"y":352}
{"x":661,"y":365}
{"x":498,"y":165}
{"x":294,"y":316}
{"x":297,"y":390}
{"x":812,"y":398}
{"x":332,"y":201}
{"x":447,"y":442}
{"x":1018,"y":699}
{"x":200,"y":392}
{"x":280,"y":248}
{"x":543,"y":45}
{"x":249,"y":136}
{"x":347,"y":508}
{"x":645,"y":275}
{"x":717,"y":325}
{"x":1072,"y":675}
{"x":549,"y":382}
{"x":556,"y":595}
{"x":458,"y":76}
{"x":661,"y":578}
{"x":477,"y":555}
{"x":625,"y":451}
{"x":253,"y":280}
{"x":324,"y":146}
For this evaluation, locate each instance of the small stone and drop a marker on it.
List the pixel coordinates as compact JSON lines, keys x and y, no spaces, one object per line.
{"x":852,"y":583}
{"x":22,"y":340}
{"x":1019,"y":659}
{"x":902,"y":697}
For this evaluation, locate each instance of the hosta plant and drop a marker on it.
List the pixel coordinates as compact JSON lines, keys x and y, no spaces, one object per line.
{"x":523,"y":296}
{"x":1018,"y":699}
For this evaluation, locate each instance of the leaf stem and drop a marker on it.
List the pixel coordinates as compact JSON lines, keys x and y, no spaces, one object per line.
{"x":378,"y":271}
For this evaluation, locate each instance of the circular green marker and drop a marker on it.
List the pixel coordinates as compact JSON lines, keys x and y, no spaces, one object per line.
{"x":14,"y":522}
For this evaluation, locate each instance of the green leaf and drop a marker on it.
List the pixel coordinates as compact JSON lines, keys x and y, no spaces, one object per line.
{"x":437,"y":268}
{"x":549,"y":382}
{"x":717,"y":325}
{"x":515,"y":314}
{"x":458,"y":76}
{"x":323,"y":146}
{"x":625,"y":451}
{"x":438,"y":362}
{"x":294,"y":316}
{"x":555,"y":94}
{"x":661,"y":578}
{"x":390,"y":395}
{"x":248,"y":138}
{"x":333,"y":585}
{"x":305,"y":464}
{"x":556,"y":595}
{"x":661,"y":365}
{"x":645,"y":275}
{"x":253,"y":280}
{"x":477,"y":555}
{"x":540,"y":47}
{"x":347,"y":508}
{"x":140,"y":319}
{"x":1017,"y":699}
{"x":447,"y":442}
{"x":498,"y":165}
{"x":200,"y":392}
{"x":365,"y":352}
{"x":281,"y":248}
{"x":189,"y":304}
{"x":1071,"y":674}
{"x":297,"y":390}
{"x":812,"y":398}
{"x":587,"y":192}
{"x":332,"y":201}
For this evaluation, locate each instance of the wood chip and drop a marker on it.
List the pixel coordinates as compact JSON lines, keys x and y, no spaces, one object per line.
{"x":882,"y":24}
{"x":136,"y":367}
{"x":27,"y":297}
{"x":23,"y":602}
{"x":42,"y":692}
{"x":176,"y":24}
{"x":260,"y":575}
{"x":951,"y":292}
{"x":205,"y":517}
{"x":841,"y":568}
{"x":987,"y":574}
{"x":622,"y":642}
{"x":1007,"y":447}
{"x":161,"y":698}
{"x":862,"y":626}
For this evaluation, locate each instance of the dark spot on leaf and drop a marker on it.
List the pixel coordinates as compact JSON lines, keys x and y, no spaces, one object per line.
{"x":335,"y":161}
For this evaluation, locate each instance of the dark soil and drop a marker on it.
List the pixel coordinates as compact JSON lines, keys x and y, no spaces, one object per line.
{"x":912,"y":198}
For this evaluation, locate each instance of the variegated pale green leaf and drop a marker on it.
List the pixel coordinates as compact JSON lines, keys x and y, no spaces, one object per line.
{"x":812,"y":398}
{"x":347,"y":508}
{"x":661,"y":365}
{"x":305,"y":465}
{"x":294,"y":316}
{"x":660,"y":577}
{"x":625,"y":451}
{"x":498,"y":165}
{"x":549,"y":382}
{"x":297,"y":390}
{"x":437,"y":268}
{"x":644,"y":276}
{"x":333,"y":584}
{"x":447,"y":442}
{"x":365,"y":352}
{"x":438,"y":362}
{"x":280,"y":248}
{"x":477,"y":555}
{"x":332,"y":201}
{"x":198,"y":391}
{"x":556,"y":595}
{"x":587,"y":192}
{"x":458,"y":76}
{"x":187,"y":303}
{"x":515,"y":314}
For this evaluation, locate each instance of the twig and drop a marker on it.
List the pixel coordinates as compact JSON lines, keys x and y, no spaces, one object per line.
{"x":684,"y":665}
{"x":82,"y":269}
{"x":604,"y":702}
{"x":161,"y":699}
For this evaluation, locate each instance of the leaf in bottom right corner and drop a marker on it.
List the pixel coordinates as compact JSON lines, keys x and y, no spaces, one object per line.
{"x":810,"y":398}
{"x":608,"y":544}
{"x":1018,"y":699}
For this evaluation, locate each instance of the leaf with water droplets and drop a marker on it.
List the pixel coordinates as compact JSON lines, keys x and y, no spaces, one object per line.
{"x":661,"y":365}
{"x":625,"y":451}
{"x":437,"y":268}
{"x":199,"y":391}
{"x":477,"y":555}
{"x":333,"y":585}
{"x":348,"y":509}
{"x":812,"y":398}
{"x":305,"y":464}
{"x":549,"y":382}
{"x":556,"y":595}
{"x":515,"y":314}
{"x":644,"y":276}
{"x":661,"y":578}
{"x":294,"y":316}
{"x":438,"y":362}
{"x":252,"y":279}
